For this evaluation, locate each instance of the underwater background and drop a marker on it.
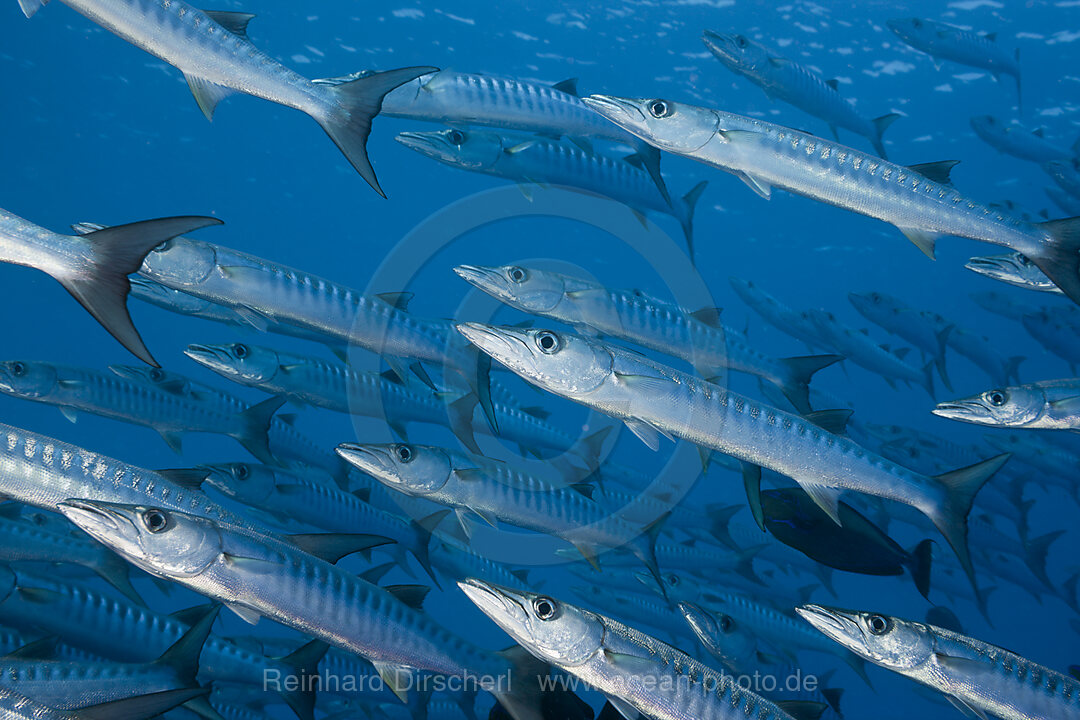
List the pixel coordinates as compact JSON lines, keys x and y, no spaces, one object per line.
{"x":94,"y":129}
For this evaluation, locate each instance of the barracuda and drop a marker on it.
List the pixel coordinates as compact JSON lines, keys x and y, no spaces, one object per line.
{"x":637,"y":672}
{"x":1013,"y":269}
{"x":258,"y":575}
{"x":213,"y":52}
{"x":917,"y":200}
{"x":927,"y":331}
{"x":323,"y":383}
{"x":545,"y":162}
{"x":123,"y":631}
{"x":95,"y":266}
{"x":696,"y":337}
{"x":655,"y":400}
{"x":780,"y":316}
{"x":1018,"y":142}
{"x":75,"y":389}
{"x":455,"y":99}
{"x":14,"y":706}
{"x":976,"y":677}
{"x":1051,"y":404}
{"x":497,"y":491}
{"x":795,"y":84}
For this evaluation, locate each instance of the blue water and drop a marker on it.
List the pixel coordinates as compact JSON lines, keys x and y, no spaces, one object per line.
{"x":94,"y":129}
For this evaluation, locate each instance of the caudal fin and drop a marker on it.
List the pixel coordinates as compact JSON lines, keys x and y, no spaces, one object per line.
{"x":116,"y":571}
{"x":532,"y":694}
{"x":797,"y":374}
{"x":1035,"y":552}
{"x":939,"y":357}
{"x":1059,"y":255}
{"x":961,"y":486}
{"x":114,"y":253}
{"x":686,"y":217}
{"x":304,"y":664}
{"x":650,"y":158}
{"x":919,"y":565}
{"x":254,"y":429}
{"x":881,"y":124}
{"x":358,"y":102}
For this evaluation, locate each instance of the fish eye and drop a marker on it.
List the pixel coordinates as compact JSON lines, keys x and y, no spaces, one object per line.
{"x":673,"y":580}
{"x":545,"y":608}
{"x":242,"y":472}
{"x":726,"y":624}
{"x":740,"y":41}
{"x":164,"y":246}
{"x":404,"y":453}
{"x":154,"y":520}
{"x":240,"y":351}
{"x":659,"y":108}
{"x":456,"y":137}
{"x":517,"y":274}
{"x":916,"y":23}
{"x":548,"y":342}
{"x":1023,"y":260}
{"x":18,"y":369}
{"x":157,"y":375}
{"x":997,"y":398}
{"x":878,"y":624}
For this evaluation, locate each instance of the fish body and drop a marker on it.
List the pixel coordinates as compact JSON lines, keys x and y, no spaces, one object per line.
{"x":14,"y":706}
{"x":919,"y":201}
{"x":1018,"y":142}
{"x":974,"y":675}
{"x":925,"y":330}
{"x":780,"y":316}
{"x":536,"y":160}
{"x":795,"y":84}
{"x":212,"y":50}
{"x":699,"y":338}
{"x":1049,"y":405}
{"x":1056,"y":332}
{"x":947,"y":42}
{"x":94,"y":267}
{"x":640,"y":672}
{"x":653,"y":399}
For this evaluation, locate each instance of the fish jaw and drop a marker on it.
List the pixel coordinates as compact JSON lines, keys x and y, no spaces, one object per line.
{"x":212,"y":357}
{"x":841,"y":626}
{"x":624,"y":112}
{"x":970,"y":410}
{"x":431,"y":144}
{"x":111,"y":524}
{"x":489,"y":279}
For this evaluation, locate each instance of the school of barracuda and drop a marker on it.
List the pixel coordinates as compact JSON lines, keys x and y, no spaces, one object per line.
{"x":672,"y":600}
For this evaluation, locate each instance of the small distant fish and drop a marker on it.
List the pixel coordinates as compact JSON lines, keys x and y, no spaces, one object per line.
{"x":1018,"y":142}
{"x":975,"y":676}
{"x":212,"y":50}
{"x":947,"y":42}
{"x":637,"y":673}
{"x":926,"y":330}
{"x":786,"y":80}
{"x":536,"y":160}
{"x":1057,"y":333}
{"x":1051,"y":404}
{"x":94,"y":267}
{"x":917,"y":200}
{"x":654,"y":400}
{"x":699,"y":337}
{"x":780,"y":316}
{"x":1013,"y":269}
{"x":856,"y":545}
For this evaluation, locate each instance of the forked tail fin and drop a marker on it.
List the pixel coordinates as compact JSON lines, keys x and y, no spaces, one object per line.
{"x":881,"y":124}
{"x":1059,"y":255}
{"x":358,"y":102}
{"x":686,"y":216}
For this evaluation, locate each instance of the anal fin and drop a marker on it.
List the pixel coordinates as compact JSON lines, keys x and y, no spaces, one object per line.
{"x":207,"y":94}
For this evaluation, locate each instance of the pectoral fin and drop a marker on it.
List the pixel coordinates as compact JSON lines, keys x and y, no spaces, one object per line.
{"x":923,"y":240}
{"x":207,"y":94}
{"x":761,"y":187}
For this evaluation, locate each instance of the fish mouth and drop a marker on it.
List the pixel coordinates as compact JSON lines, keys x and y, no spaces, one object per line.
{"x":367,"y":459}
{"x":719,"y":44}
{"x":96,"y":519}
{"x":213,"y":357}
{"x":836,"y":624}
{"x":425,"y":143}
{"x":696,"y":618}
{"x":488,"y":279}
{"x":495,"y":342}
{"x":968,"y":410}
{"x":505,"y":606}
{"x":992,"y":265}
{"x":621,"y":111}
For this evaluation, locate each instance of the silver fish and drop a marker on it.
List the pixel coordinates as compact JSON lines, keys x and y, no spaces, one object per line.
{"x":212,"y":50}
{"x":257,"y":575}
{"x":975,"y":676}
{"x":1013,"y":269}
{"x":1051,"y":404}
{"x":780,"y":316}
{"x":14,"y":706}
{"x":697,"y":337}
{"x":947,"y":42}
{"x":917,"y":200}
{"x":94,"y":267}
{"x":653,"y":399}
{"x":726,"y":639}
{"x":637,"y":672}
{"x":927,"y":331}
{"x":1018,"y":142}
{"x":795,"y":84}
{"x":540,"y":161}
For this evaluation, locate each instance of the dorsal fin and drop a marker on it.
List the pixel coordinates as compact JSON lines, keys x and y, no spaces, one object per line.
{"x":992,"y":37}
{"x":537,"y":411}
{"x":834,"y":421}
{"x":833,"y":83}
{"x":709,"y":316}
{"x":399,"y":300}
{"x":411,"y":595}
{"x":568,"y":86}
{"x":234,"y":22}
{"x":1039,"y":132}
{"x":331,"y":547}
{"x":635,"y":160}
{"x":190,"y":478}
{"x":43,"y":649}
{"x":936,"y":171}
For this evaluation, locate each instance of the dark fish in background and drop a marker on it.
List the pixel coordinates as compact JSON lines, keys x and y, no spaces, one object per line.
{"x":856,"y":545}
